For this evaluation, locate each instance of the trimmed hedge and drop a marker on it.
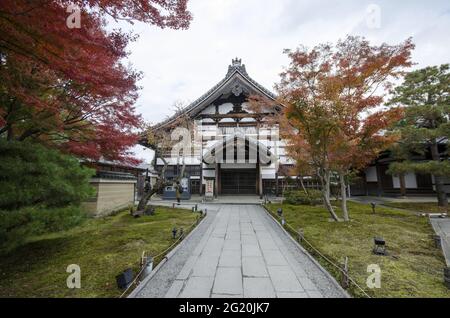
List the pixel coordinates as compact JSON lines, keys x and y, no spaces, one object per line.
{"x":297,"y":197}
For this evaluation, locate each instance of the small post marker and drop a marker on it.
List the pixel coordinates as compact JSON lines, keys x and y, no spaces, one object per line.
{"x":344,"y":279}
{"x":437,"y":241}
{"x":174,"y":233}
{"x":280,"y":212}
{"x":373,"y":205}
{"x":379,"y":246}
{"x":300,"y":235}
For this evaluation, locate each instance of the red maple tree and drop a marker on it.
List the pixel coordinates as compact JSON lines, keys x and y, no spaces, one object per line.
{"x":68,"y":87}
{"x":334,"y":97}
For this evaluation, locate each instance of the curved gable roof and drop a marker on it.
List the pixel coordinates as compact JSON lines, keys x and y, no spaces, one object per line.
{"x":236,"y":74}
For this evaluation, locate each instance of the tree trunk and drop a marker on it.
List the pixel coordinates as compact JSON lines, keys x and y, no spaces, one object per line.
{"x":401,"y":178}
{"x":343,"y":197}
{"x":160,"y":183}
{"x":302,"y":184}
{"x":439,"y":182}
{"x":145,"y":198}
{"x":325,"y":183}
{"x":9,"y":133}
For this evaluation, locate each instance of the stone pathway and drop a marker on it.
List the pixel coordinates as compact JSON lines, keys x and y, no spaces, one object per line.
{"x":242,"y":253}
{"x":442,"y":228}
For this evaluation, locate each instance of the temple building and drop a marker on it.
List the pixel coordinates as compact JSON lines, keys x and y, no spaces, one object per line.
{"x":237,"y":150}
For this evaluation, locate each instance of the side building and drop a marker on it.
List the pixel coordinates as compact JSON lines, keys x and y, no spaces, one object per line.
{"x":375,"y":181}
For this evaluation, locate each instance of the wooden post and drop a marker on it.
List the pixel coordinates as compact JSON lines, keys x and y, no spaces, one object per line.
{"x":276,"y":183}
{"x":300,"y":235}
{"x":379,"y":183}
{"x":344,"y":279}
{"x":216,"y":181}
{"x":437,"y":241}
{"x":259,"y":181}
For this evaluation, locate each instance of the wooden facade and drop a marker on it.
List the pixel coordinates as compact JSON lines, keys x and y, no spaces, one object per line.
{"x":230,"y":136}
{"x":375,"y":180}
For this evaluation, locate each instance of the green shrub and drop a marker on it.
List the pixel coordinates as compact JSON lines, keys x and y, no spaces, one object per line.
{"x":40,"y":191}
{"x":16,"y":226}
{"x":296,"y":197}
{"x":31,"y":174}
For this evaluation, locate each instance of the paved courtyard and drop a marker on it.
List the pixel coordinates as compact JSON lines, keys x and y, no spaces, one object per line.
{"x":240,"y":252}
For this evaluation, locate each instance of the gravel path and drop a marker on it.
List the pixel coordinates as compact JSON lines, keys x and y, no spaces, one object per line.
{"x":239,"y":251}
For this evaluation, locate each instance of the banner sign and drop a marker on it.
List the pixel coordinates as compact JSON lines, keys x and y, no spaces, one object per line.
{"x":209,"y":188}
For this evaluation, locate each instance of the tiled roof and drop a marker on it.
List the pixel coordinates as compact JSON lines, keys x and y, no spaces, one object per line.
{"x":235,"y":67}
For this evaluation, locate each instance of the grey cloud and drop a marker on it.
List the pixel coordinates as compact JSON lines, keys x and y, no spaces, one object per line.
{"x":182,"y":65}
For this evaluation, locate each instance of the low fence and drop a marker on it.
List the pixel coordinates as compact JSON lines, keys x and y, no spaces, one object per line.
{"x":140,"y":276}
{"x":344,"y":278}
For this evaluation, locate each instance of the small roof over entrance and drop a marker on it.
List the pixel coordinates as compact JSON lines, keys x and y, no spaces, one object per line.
{"x":238,"y":148}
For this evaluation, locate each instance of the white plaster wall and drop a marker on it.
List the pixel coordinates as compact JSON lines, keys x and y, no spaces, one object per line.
{"x":225,"y":108}
{"x":209,"y":173}
{"x":248,"y":120}
{"x":227,"y":120}
{"x":268,"y":172}
{"x":410,"y":181}
{"x":238,"y":166}
{"x":211,"y":109}
{"x":173,"y":161}
{"x":245,"y":106}
{"x":371,"y":174}
{"x":208,"y":120}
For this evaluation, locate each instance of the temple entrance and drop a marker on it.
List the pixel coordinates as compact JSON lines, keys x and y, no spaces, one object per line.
{"x":238,"y":181}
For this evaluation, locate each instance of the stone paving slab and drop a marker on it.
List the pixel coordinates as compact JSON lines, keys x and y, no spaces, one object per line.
{"x":228,"y":281}
{"x":230,"y":258}
{"x":254,"y":266}
{"x":284,"y":279}
{"x":243,"y":253}
{"x":258,"y":287}
{"x":198,"y":287}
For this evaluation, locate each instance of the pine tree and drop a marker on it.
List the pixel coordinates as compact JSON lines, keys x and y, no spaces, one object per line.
{"x":424,"y":130}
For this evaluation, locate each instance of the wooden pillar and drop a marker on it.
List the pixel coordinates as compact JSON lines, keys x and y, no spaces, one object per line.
{"x":380,"y":184}
{"x":200,"y":191}
{"x":216,"y":182}
{"x":276,"y":183}
{"x":260,"y":184}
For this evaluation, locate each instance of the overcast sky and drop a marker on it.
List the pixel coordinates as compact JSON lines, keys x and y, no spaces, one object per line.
{"x":182,"y":65}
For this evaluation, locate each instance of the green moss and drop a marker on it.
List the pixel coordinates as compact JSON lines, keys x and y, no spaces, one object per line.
{"x":422,"y":207}
{"x":414,"y":267}
{"x":102,"y":248}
